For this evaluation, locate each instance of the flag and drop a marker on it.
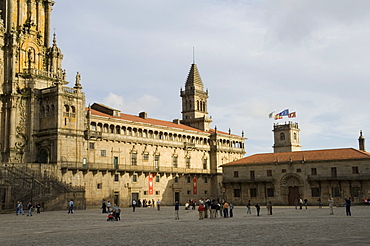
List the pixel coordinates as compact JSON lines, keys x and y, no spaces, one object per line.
{"x":292,"y":115}
{"x":271,"y":115}
{"x":284,"y":112}
{"x":277,"y":117}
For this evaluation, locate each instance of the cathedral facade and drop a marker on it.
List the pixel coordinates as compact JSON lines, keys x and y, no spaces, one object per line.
{"x":46,"y":127}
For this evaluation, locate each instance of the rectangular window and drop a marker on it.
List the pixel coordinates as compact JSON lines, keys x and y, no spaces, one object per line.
{"x":299,"y":170}
{"x":116,"y":177}
{"x":187,"y":162}
{"x":175,"y":161}
{"x":315,"y":192}
{"x":205,"y":192}
{"x":355,"y":191}
{"x":157,"y":179}
{"x":157,"y":192}
{"x":145,"y":192}
{"x":115,"y":162}
{"x":355,"y":170}
{"x":134,"y":159}
{"x":269,"y":173}
{"x":103,"y":153}
{"x":283,"y":170}
{"x":236,"y":174}
{"x":253,"y":192}
{"x":99,"y":186}
{"x":91,"y":145}
{"x":188,"y":180}
{"x":156,"y":162}
{"x":146,"y":157}
{"x":313,"y":171}
{"x":334,"y":172}
{"x":188,"y":192}
{"x":205,"y":180}
{"x":335,"y":192}
{"x":236,"y":192}
{"x":252,"y":175}
{"x":270,"y":192}
{"x":205,"y":164}
{"x":134,"y":178}
{"x":176,"y":180}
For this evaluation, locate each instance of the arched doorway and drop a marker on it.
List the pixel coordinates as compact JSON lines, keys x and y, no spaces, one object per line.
{"x":290,"y":186}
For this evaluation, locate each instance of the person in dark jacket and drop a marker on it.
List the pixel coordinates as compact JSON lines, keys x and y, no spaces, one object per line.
{"x":177,"y":207}
{"x":258,"y":207}
{"x":348,"y":206}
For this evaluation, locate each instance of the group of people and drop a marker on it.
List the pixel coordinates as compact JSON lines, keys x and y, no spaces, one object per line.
{"x":114,"y":214}
{"x":145,"y":203}
{"x":30,"y":208}
{"x":300,"y":202}
{"x":258,"y":208}
{"x":208,"y":208}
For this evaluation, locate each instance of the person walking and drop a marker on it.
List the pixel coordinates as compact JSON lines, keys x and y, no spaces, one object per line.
{"x":159,"y":204}
{"x":249,"y":207}
{"x":103,"y":207}
{"x":108,"y":206}
{"x":300,"y":203}
{"x":231,"y":207}
{"x":38,"y":206}
{"x":177,"y":207}
{"x":29,"y":207}
{"x":320,"y":203}
{"x":201,"y":210}
{"x":331,"y":204}
{"x":70,"y":206}
{"x":133,"y":205}
{"x":258,"y":208}
{"x":269,"y":206}
{"x":226,"y":210}
{"x":305,"y":203}
{"x":19,"y":208}
{"x":348,"y":206}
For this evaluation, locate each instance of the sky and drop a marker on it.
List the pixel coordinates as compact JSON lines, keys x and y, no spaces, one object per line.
{"x":254,"y":57}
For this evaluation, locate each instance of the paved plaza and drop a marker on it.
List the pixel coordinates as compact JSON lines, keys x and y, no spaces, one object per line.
{"x":147,"y":226}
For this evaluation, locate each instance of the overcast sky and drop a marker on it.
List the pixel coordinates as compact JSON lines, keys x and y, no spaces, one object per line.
{"x":254,"y":56}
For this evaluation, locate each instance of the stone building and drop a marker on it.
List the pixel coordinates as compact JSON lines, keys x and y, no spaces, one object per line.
{"x":47,"y":131}
{"x":289,"y":174}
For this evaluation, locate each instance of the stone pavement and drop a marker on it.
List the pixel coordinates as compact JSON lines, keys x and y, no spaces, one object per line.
{"x":147,"y":226}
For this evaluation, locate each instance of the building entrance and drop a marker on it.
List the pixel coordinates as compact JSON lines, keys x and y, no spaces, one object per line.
{"x":293,"y":194}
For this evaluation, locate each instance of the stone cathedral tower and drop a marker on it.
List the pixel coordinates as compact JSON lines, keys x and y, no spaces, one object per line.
{"x":194,"y":101}
{"x":35,"y":105}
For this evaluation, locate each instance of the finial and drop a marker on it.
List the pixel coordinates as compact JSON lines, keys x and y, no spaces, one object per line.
{"x":54,"y":38}
{"x":78,"y":81}
{"x":215,"y":128}
{"x":193,"y":56}
{"x":243,"y":134}
{"x":360,"y":132}
{"x":229,"y":131}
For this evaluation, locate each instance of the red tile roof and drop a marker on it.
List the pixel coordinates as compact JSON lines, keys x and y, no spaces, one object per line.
{"x":135,"y":118}
{"x":307,"y":156}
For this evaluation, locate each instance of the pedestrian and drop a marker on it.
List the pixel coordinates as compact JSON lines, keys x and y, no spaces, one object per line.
{"x":214,"y":207}
{"x":305,"y":203}
{"x":231,"y":207}
{"x":300,"y":203}
{"x":133,"y":205}
{"x":159,"y":204}
{"x":117,"y":213}
{"x":19,"y":208}
{"x":258,"y":208}
{"x":331,"y":204}
{"x":70,"y":206}
{"x":295,"y":203}
{"x":201,"y":211}
{"x":221,"y":207}
{"x":108,"y":206}
{"x":320,"y":202}
{"x":103,"y":206}
{"x":226,"y":210}
{"x":29,"y":207}
{"x":177,"y":207}
{"x":269,"y":206}
{"x":38,"y":206}
{"x":348,"y":206}
{"x":249,"y":207}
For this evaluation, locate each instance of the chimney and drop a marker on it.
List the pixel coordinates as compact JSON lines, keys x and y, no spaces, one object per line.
{"x":143,"y":115}
{"x":361,"y":142}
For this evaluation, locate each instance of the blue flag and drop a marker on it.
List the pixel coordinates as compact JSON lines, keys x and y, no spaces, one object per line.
{"x":284,"y":112}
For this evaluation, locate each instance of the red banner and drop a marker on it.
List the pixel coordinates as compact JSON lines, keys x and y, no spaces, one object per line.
{"x":150,"y":184}
{"x":195,"y":185}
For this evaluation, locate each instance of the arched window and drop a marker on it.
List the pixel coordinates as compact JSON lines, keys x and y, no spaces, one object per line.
{"x":295,"y":136}
{"x":43,"y":156}
{"x":282,"y":136}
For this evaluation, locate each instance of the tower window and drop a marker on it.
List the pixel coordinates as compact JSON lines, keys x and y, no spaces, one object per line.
{"x":282,"y":136}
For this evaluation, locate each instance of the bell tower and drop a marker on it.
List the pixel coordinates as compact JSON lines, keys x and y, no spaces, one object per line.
{"x":286,"y":137}
{"x":194,"y":101}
